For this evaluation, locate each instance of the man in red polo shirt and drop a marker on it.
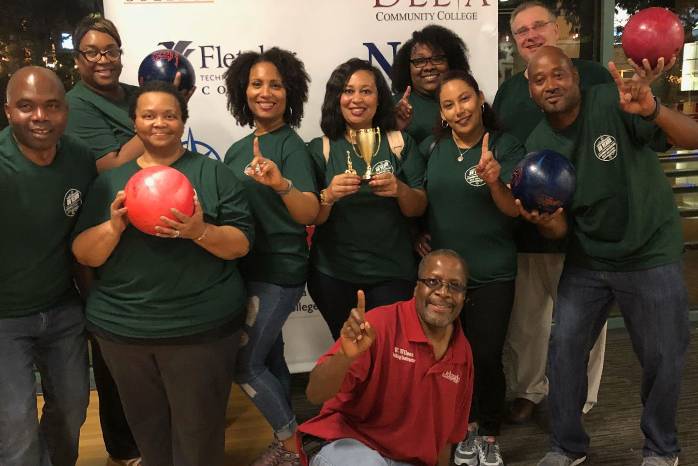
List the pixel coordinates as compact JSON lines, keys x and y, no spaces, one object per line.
{"x":397,"y":384}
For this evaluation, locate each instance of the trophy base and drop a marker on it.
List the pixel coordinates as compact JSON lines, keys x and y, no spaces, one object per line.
{"x":365,"y":180}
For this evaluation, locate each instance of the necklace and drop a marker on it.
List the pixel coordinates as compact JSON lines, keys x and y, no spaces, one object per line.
{"x":460,"y":157}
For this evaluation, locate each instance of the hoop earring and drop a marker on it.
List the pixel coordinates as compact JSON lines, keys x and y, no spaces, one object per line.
{"x":483,"y":108}
{"x":444,"y":124}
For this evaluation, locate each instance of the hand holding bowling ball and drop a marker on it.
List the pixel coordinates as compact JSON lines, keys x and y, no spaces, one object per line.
{"x":651,"y":34}
{"x":488,"y":169}
{"x":118,"y":213}
{"x":169,"y":66}
{"x":152,"y":196}
{"x":543,"y":183}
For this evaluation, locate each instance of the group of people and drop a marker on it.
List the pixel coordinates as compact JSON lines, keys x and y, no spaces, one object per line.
{"x":175,"y":318}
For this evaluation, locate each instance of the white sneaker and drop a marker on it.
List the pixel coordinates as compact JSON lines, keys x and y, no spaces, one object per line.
{"x":489,"y":454}
{"x":467,"y":450}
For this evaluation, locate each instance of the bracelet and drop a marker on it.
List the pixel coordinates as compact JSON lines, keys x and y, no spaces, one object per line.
{"x":283,"y":192}
{"x":323,"y":198}
{"x":653,"y":116}
{"x":203,"y":235}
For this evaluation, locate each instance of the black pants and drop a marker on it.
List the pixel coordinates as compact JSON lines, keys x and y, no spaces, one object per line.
{"x":335,"y":298}
{"x":175,"y":397}
{"x":116,"y":433}
{"x":485,"y":320}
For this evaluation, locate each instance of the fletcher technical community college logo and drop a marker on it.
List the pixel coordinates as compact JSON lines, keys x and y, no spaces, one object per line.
{"x":605,"y":148}
{"x":72,"y":202}
{"x":472,"y":178}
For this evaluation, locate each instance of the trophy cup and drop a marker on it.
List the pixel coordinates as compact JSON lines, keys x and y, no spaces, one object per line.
{"x":366,"y":143}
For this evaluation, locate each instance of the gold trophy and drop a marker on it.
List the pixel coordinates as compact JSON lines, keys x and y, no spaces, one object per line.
{"x":366,"y":143}
{"x":350,"y":167}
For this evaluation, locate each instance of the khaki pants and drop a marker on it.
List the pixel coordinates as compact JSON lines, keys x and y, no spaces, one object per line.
{"x":526,"y":345}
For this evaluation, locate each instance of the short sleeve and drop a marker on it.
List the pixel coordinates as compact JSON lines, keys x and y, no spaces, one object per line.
{"x":233,"y":208}
{"x":317,"y":159}
{"x":87,"y":123}
{"x":508,"y":152}
{"x":298,"y":166}
{"x":413,"y":164}
{"x":95,"y":209}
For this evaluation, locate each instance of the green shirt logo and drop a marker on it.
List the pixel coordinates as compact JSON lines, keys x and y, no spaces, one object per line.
{"x":72,"y":202}
{"x":472,"y":178}
{"x":605,"y":148}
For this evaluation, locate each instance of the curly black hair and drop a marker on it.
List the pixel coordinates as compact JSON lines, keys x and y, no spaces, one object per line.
{"x":158,"y":86}
{"x":332,"y":122}
{"x":489,"y":117}
{"x":436,"y":37}
{"x":293,"y":74}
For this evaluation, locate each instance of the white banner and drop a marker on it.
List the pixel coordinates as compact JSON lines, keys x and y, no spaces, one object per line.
{"x":323,"y":33}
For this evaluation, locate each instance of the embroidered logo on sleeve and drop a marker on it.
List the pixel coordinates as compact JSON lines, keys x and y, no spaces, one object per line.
{"x":605,"y":148}
{"x":384,"y":166}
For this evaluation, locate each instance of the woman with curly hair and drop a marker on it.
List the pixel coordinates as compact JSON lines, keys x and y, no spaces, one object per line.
{"x":362,"y":239}
{"x":416,"y":71}
{"x":267,"y":91}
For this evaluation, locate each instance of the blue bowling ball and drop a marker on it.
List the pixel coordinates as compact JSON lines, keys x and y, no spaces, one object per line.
{"x":163,"y":65}
{"x":544,"y":180}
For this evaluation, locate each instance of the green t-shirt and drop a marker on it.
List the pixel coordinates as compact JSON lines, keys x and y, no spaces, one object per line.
{"x":425,"y":114}
{"x":462,"y":214}
{"x":102,"y":124}
{"x":38,"y":205}
{"x":622,"y":215}
{"x":154,"y":287}
{"x":280,"y":253}
{"x":519,"y":115}
{"x":366,"y":239}
{"x":517,"y":112}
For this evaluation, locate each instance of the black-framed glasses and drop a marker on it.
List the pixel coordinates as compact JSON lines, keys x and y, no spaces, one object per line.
{"x":94,"y":55}
{"x":435,"y":283}
{"x":435,"y":60}
{"x":537,"y":26}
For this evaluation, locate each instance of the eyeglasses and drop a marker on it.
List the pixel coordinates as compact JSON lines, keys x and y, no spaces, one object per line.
{"x":94,"y":55}
{"x":435,"y":60}
{"x":537,"y":26}
{"x":435,"y":284}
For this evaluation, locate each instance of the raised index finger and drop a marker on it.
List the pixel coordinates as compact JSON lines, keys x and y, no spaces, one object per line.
{"x":485,"y":144}
{"x":361,"y":304}
{"x":407,"y":93}
{"x":255,"y":148}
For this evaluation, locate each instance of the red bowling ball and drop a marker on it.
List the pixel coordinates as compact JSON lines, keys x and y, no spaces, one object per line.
{"x":653,"y":33}
{"x":152,"y":192}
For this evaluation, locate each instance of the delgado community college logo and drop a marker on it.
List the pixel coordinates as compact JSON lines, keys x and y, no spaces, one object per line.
{"x":429,"y":10}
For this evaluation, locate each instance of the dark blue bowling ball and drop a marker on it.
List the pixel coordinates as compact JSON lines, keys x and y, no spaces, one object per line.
{"x":544,"y":180}
{"x":163,"y":65}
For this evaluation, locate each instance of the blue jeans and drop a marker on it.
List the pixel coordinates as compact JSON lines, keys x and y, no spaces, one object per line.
{"x":55,"y":341}
{"x":654,"y":305}
{"x":261,"y":368}
{"x":350,"y":452}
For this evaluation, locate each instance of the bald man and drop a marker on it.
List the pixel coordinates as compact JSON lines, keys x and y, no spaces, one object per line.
{"x":625,"y":246}
{"x":43,"y":178}
{"x":534,"y":25}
